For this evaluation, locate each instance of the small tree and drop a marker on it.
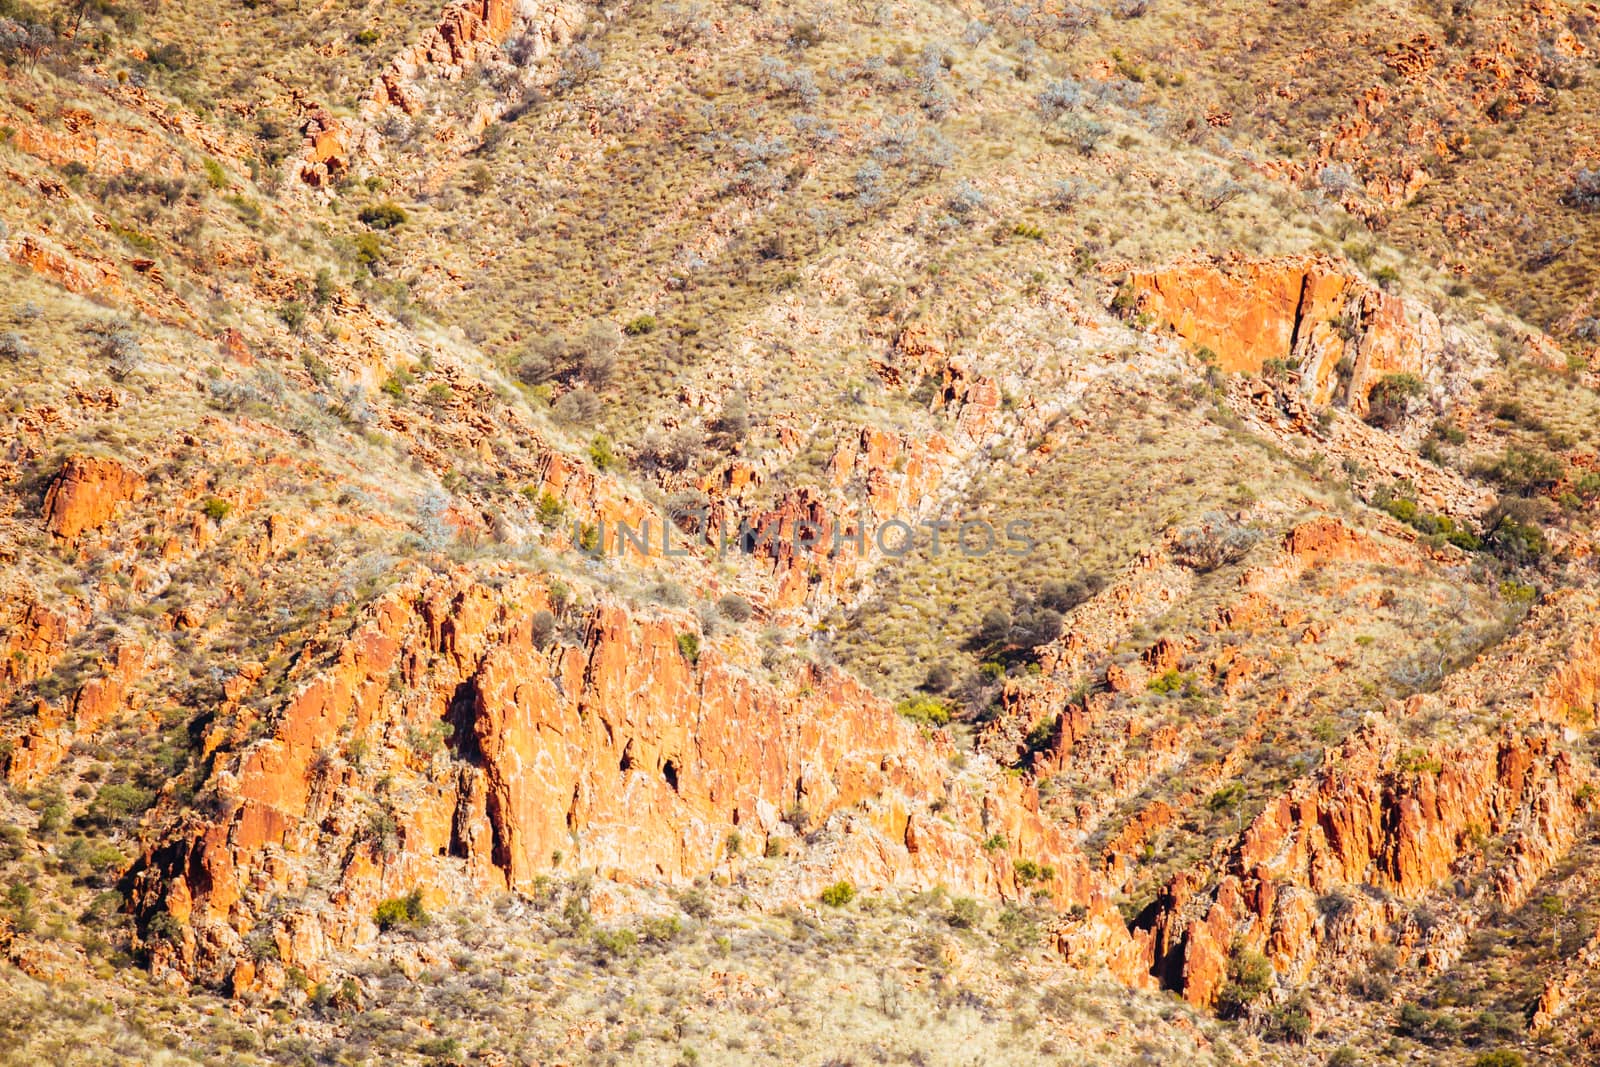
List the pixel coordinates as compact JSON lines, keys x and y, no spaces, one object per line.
{"x":1584,"y":193}
{"x":734,"y":608}
{"x":543,"y":627}
{"x":595,"y":354}
{"x":1216,"y":542}
{"x":549,"y":509}
{"x":577,"y":408}
{"x":964,"y":913}
{"x":124,"y":354}
{"x":1391,"y":398}
{"x":1249,"y":978}
{"x":939,"y":678}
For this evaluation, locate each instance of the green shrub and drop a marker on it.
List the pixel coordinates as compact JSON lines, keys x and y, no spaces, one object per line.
{"x":1415,"y":1021}
{"x":964,"y":913}
{"x":1388,"y":400}
{"x":1126,"y":298}
{"x":928,"y":710}
{"x":1392,"y":499}
{"x":293,"y":315}
{"x":401,"y":911}
{"x":385,"y":216}
{"x":838,"y":894}
{"x":1518,"y":542}
{"x":1516,"y":592}
{"x":1249,"y":978}
{"x":1290,"y":1021}
{"x":604,"y":454}
{"x":216,"y":177}
{"x":1417,"y":761}
{"x":323,"y":286}
{"x":20,"y":896}
{"x":368,"y":250}
{"x":640,"y":326}
{"x":117,"y":804}
{"x":615,"y":942}
{"x":549,"y":509}
{"x":689,"y":646}
{"x":52,"y":815}
{"x":1229,"y":796}
{"x":695,"y":904}
{"x":216,"y":509}
{"x":1042,"y":735}
{"x":1523,"y":470}
{"x":1500,"y":1057}
{"x":1172,"y":681}
{"x":367,"y":37}
{"x":1029,"y":872}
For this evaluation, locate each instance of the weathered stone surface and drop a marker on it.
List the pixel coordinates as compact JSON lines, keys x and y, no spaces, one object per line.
{"x":1309,"y":312}
{"x":618,"y":753}
{"x":52,"y":732}
{"x":1387,"y":813}
{"x":86,"y":493}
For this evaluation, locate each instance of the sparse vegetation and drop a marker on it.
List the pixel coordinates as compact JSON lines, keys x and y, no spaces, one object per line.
{"x":839,"y":894}
{"x":401,"y":912}
{"x":341,"y":392}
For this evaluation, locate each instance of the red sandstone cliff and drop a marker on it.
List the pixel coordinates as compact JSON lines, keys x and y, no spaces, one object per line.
{"x":500,"y":760}
{"x":1341,"y":333}
{"x":86,"y":493}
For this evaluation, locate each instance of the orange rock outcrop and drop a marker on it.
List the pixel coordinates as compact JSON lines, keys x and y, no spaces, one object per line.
{"x":1359,"y":822}
{"x":1341,"y":333}
{"x":615,"y":750}
{"x":51,"y":734}
{"x":86,"y":492}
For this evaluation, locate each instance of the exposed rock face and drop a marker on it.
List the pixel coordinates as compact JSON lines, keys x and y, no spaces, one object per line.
{"x":105,"y":148}
{"x":1308,"y":311}
{"x":1278,"y":410}
{"x":618,"y":753}
{"x":1558,"y":991}
{"x":1394,"y":816}
{"x":1357,"y":823}
{"x":46,"y":258}
{"x":86,"y":493}
{"x":468,"y":32}
{"x":52,"y":732}
{"x":35,"y":637}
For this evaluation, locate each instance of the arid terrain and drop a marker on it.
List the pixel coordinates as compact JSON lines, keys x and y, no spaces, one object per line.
{"x":782,"y":531}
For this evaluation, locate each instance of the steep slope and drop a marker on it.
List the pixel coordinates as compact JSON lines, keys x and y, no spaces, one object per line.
{"x":337,"y":696}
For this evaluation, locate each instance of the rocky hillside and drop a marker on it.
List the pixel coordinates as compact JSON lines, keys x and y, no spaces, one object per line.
{"x":777,"y":532}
